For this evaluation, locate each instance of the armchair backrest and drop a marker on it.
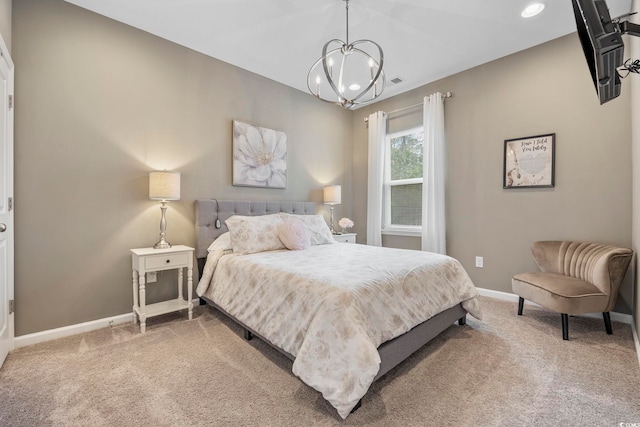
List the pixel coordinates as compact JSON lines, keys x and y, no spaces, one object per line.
{"x":602,"y":265}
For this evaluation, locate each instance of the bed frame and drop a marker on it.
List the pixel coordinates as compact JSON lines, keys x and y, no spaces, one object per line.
{"x":210,"y":223}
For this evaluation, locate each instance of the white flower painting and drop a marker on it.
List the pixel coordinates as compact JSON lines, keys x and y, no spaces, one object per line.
{"x":259,"y":156}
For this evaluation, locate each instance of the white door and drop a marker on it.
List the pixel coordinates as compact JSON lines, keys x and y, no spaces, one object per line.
{"x":6,"y":201}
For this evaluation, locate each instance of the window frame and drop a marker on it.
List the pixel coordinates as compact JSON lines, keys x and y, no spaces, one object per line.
{"x":387,"y":227}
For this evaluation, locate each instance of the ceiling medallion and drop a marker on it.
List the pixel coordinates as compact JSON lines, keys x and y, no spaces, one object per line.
{"x":357,"y":67}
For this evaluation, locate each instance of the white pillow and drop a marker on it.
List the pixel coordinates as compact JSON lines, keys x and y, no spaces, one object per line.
{"x":222,"y":243}
{"x":251,"y":234}
{"x":319,"y":233}
{"x":294,"y":235}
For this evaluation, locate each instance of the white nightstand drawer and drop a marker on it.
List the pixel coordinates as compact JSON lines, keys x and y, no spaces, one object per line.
{"x":152,"y":263}
{"x":345,"y":237}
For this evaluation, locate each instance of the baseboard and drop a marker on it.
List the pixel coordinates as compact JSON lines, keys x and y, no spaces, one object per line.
{"x":67,"y":331}
{"x":636,"y":340}
{"x":506,"y":296}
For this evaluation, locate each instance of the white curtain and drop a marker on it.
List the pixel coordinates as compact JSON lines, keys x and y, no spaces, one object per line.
{"x":377,"y":138}
{"x":433,"y":219}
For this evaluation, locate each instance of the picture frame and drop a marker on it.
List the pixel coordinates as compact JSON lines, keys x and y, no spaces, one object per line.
{"x":529,"y":162}
{"x":259,"y":156}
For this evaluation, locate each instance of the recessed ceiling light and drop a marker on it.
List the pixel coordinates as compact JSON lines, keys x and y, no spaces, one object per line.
{"x":354,"y":86}
{"x":532,"y":10}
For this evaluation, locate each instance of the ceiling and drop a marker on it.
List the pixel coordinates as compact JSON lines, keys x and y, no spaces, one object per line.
{"x":423,"y":40}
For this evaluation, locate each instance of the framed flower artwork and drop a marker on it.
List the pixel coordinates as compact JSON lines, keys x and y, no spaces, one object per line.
{"x":259,"y":156}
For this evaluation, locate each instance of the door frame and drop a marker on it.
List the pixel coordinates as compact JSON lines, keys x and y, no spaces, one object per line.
{"x":5,"y":58}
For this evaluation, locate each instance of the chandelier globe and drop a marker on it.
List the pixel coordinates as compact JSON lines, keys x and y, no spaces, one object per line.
{"x":348,"y":74}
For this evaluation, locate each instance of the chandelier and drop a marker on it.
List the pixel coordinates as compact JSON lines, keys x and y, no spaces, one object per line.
{"x":348,"y":74}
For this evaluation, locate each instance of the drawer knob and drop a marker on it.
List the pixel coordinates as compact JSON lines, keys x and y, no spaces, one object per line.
{"x":168,"y":261}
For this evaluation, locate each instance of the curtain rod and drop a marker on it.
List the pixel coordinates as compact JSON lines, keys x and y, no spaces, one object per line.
{"x":445,"y":95}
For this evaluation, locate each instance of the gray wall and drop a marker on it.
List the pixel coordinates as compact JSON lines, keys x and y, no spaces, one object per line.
{"x":5,"y":21}
{"x":541,"y":90}
{"x":99,"y":105}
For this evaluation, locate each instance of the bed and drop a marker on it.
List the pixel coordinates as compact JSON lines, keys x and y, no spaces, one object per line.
{"x":326,"y":307}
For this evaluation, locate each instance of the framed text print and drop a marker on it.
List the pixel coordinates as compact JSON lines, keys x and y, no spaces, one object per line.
{"x":529,"y":162}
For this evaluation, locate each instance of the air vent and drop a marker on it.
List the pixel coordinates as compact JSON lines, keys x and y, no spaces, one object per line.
{"x":397,"y":80}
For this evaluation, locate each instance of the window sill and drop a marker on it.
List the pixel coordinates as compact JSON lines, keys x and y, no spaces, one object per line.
{"x":409,"y":232}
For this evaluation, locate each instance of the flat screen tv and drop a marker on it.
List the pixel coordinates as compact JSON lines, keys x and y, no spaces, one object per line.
{"x":601,"y":41}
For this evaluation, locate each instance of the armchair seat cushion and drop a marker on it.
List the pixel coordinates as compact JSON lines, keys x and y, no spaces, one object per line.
{"x":560,"y":293}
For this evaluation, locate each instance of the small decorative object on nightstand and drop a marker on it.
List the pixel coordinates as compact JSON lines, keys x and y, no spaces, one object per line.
{"x":345,"y":237}
{"x":145,"y":260}
{"x":345,"y":224}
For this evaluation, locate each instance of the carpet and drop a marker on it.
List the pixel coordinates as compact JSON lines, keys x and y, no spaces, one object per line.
{"x":505,"y":370}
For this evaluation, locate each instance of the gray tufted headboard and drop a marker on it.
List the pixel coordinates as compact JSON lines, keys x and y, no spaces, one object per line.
{"x":207,"y":211}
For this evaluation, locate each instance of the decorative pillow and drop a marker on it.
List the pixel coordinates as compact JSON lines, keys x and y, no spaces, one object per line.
{"x":319,"y":233}
{"x":293,"y":234}
{"x":222,"y":243}
{"x":251,"y":234}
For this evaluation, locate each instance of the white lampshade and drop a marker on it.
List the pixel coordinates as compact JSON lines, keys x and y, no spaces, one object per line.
{"x":332,"y":195}
{"x":164,"y":185}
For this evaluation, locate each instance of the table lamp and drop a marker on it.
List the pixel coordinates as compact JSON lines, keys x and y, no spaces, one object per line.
{"x":332,"y":196}
{"x":164,"y":186}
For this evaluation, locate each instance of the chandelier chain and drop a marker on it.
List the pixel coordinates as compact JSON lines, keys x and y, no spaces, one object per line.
{"x":347,"y":12}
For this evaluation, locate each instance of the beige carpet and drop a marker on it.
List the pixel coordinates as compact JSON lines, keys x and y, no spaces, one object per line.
{"x":503,"y":371}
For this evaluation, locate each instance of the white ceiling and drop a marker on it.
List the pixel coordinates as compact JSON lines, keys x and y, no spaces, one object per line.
{"x":423,"y":40}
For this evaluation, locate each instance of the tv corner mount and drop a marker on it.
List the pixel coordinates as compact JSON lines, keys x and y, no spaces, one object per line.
{"x":625,"y":27}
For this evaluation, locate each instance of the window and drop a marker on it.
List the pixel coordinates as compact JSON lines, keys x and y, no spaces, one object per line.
{"x":403,"y":182}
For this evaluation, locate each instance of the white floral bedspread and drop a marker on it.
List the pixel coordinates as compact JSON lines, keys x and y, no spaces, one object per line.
{"x":332,"y":305}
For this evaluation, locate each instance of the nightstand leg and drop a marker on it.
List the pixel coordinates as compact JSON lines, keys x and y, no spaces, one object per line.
{"x":180,"y":281}
{"x":143,"y":312}
{"x":135,"y":295}
{"x":189,"y":291}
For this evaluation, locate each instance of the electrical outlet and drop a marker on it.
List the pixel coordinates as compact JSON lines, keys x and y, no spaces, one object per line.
{"x":479,"y":262}
{"x":152,"y":276}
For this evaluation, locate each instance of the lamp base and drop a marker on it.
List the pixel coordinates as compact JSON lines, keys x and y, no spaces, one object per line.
{"x":162,"y":244}
{"x":333,"y":231}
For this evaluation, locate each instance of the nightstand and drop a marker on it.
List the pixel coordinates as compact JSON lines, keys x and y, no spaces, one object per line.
{"x":145,"y":260}
{"x":345,"y":237}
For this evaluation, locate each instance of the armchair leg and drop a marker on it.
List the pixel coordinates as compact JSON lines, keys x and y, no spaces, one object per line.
{"x":607,"y":322}
{"x":520,"y":305}
{"x":565,"y":326}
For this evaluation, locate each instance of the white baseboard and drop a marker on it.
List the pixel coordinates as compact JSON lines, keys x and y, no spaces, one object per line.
{"x":636,"y":340}
{"x":67,"y":331}
{"x":506,"y":296}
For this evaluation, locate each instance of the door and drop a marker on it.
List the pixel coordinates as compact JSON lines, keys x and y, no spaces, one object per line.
{"x":6,"y":202}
